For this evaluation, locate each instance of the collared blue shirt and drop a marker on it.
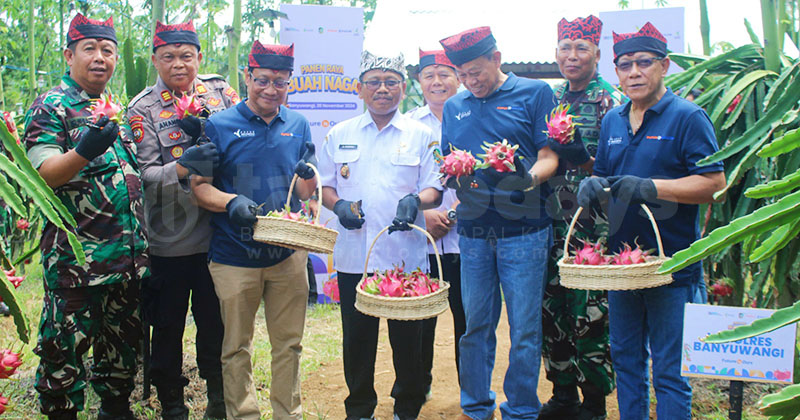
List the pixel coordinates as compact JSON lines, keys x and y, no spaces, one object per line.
{"x":516,"y":111}
{"x":675,"y":134}
{"x":257,"y":160}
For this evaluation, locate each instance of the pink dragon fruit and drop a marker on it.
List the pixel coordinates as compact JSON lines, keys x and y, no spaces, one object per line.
{"x":9,"y":362}
{"x":3,"y":404}
{"x":23,"y":224}
{"x":331,"y":289}
{"x":370,"y":285}
{"x":721,"y":289}
{"x":458,"y":163}
{"x":560,"y":126}
{"x":591,"y":254}
{"x":499,"y":156}
{"x":187,"y":105}
{"x":734,"y":103}
{"x":107,"y":105}
{"x":630,"y":256}
{"x":11,"y":125}
{"x":397,"y":283}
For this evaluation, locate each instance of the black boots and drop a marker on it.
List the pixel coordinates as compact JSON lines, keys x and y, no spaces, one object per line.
{"x":565,"y":404}
{"x":172,"y":406}
{"x":594,"y":404}
{"x":215,"y":410}
{"x":116,"y":408}
{"x":63,"y":415}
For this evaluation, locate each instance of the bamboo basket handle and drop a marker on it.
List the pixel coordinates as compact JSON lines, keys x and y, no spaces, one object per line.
{"x":427,"y":235}
{"x":646,"y":210}
{"x":319,"y":190}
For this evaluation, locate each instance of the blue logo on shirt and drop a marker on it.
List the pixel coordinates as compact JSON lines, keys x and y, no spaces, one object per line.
{"x":244,"y":133}
{"x":660,"y":138}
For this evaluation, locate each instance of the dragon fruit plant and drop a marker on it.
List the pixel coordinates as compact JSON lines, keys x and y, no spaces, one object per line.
{"x":560,"y":126}
{"x":458,"y":163}
{"x":397,"y":283}
{"x":187,"y":105}
{"x":107,"y":106}
{"x":499,"y":156}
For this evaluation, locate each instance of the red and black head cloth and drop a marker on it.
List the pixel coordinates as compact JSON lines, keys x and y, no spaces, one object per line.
{"x":468,"y":45}
{"x":181,"y":33}
{"x":82,"y":27}
{"x":428,"y":58}
{"x":275,"y":57}
{"x":588,"y":28}
{"x":648,"y":39}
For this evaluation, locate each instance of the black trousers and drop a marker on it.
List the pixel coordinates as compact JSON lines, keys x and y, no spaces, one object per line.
{"x":451,"y":266}
{"x":360,"y":343}
{"x":166,"y":296}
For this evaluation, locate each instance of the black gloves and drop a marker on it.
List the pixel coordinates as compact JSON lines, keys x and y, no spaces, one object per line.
{"x":633,"y":189}
{"x":242,"y":211}
{"x":461,"y":183}
{"x":407,"y":209}
{"x":519,"y":180}
{"x":302,"y":169}
{"x":574,"y":152}
{"x":192,"y":126}
{"x":97,"y":138}
{"x":349,"y":213}
{"x":200,"y":159}
{"x":591,"y":192}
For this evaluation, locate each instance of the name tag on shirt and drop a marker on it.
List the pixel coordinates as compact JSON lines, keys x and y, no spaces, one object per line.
{"x":348,"y":146}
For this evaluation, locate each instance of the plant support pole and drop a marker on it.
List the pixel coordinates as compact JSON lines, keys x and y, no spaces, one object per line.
{"x":31,"y":52}
{"x":736,"y":392}
{"x":769,"y":19}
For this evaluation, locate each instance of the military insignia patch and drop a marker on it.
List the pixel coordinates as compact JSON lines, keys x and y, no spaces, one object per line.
{"x":166,"y":114}
{"x":214,"y":101}
{"x":345,"y":171}
{"x":176,"y":152}
{"x":201,"y":89}
{"x":165,"y":95}
{"x":174,"y":135}
{"x":235,"y":98}
{"x":135,"y":119}
{"x":230,"y":92}
{"x":138,"y":132}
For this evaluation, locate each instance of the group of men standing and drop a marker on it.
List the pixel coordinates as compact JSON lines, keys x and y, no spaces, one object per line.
{"x":166,"y":204}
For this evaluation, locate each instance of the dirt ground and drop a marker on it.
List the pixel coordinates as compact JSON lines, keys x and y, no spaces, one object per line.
{"x":325,"y":390}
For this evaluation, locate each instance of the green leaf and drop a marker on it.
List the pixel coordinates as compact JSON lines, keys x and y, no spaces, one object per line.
{"x":777,"y":187}
{"x":10,"y":299}
{"x":781,"y":145}
{"x":757,"y":130}
{"x":753,"y":37}
{"x":766,"y":218}
{"x":779,"y":318}
{"x":780,"y":85}
{"x":745,"y":163}
{"x":10,"y":196}
{"x":776,"y":241}
{"x":714,"y":91}
{"x":747,"y":96}
{"x":692,"y":83}
{"x":743,"y":83}
{"x":743,"y":52}
{"x":785,"y":403}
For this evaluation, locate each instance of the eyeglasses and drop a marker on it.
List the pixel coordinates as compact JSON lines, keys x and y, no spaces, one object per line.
{"x":643,"y":63}
{"x":278,"y":83}
{"x":375,"y":84}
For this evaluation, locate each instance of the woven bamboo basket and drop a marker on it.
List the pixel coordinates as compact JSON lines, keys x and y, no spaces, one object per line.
{"x":294,"y":234}
{"x":403,"y":308}
{"x":613,"y":277}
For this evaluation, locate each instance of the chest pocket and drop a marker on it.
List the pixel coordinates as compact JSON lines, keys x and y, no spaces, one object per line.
{"x":348,"y":164}
{"x":171,"y":139}
{"x":405,"y":171}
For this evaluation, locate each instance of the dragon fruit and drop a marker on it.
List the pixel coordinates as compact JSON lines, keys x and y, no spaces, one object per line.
{"x":591,"y":254}
{"x":721,"y":289}
{"x":560,"y":126}
{"x":287,"y":213}
{"x":331,"y":289}
{"x":23,"y":224}
{"x":499,"y":156}
{"x":187,"y":105}
{"x":10,"y":124}
{"x":734,"y":103}
{"x":630,"y":256}
{"x":3,"y":404}
{"x":458,"y":163}
{"x":9,"y":362}
{"x":108,"y":106}
{"x":397,"y":283}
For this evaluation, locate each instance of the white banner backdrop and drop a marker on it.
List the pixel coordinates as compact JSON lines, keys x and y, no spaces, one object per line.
{"x":668,"y":20}
{"x":327,"y":53}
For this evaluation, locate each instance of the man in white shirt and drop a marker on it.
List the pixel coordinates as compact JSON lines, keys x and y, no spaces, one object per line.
{"x":378,"y":169}
{"x":438,"y":80}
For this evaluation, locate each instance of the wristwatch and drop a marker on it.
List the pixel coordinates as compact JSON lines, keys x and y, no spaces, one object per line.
{"x":451,"y":214}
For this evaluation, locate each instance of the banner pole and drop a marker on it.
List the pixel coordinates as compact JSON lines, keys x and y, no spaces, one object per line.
{"x":736,"y":392}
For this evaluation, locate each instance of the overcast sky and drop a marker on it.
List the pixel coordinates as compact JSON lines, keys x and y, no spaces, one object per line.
{"x":526,"y":29}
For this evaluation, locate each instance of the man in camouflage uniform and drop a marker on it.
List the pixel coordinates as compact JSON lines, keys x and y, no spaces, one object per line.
{"x":575,"y":322}
{"x":178,"y":230}
{"x":92,"y":168}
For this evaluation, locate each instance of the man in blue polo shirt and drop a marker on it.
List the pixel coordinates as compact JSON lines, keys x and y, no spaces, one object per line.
{"x":261,"y":145}
{"x":648,"y":152}
{"x":504,"y":232}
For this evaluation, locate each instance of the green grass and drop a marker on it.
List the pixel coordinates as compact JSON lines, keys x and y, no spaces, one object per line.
{"x":321,"y":344}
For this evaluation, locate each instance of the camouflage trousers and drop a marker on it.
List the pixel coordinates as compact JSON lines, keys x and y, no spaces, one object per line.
{"x":105,"y":318}
{"x":575,"y":348}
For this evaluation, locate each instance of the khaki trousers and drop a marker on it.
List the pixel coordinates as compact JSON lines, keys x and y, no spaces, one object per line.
{"x":284,"y":289}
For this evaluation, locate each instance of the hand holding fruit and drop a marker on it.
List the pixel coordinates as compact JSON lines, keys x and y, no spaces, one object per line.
{"x":192,"y":126}
{"x":517,"y":180}
{"x":242,"y":211}
{"x":573,"y":152}
{"x":302,"y":169}
{"x":407,"y":209}
{"x":97,"y":138}
{"x":633,"y":189}
{"x":591,"y":192}
{"x":200,"y":159}
{"x":349,"y":213}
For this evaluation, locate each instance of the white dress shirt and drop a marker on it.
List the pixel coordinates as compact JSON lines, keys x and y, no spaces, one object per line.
{"x":449,"y":243}
{"x":381,"y":168}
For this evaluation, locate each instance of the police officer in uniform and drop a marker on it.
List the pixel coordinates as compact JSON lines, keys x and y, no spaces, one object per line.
{"x":179,"y":231}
